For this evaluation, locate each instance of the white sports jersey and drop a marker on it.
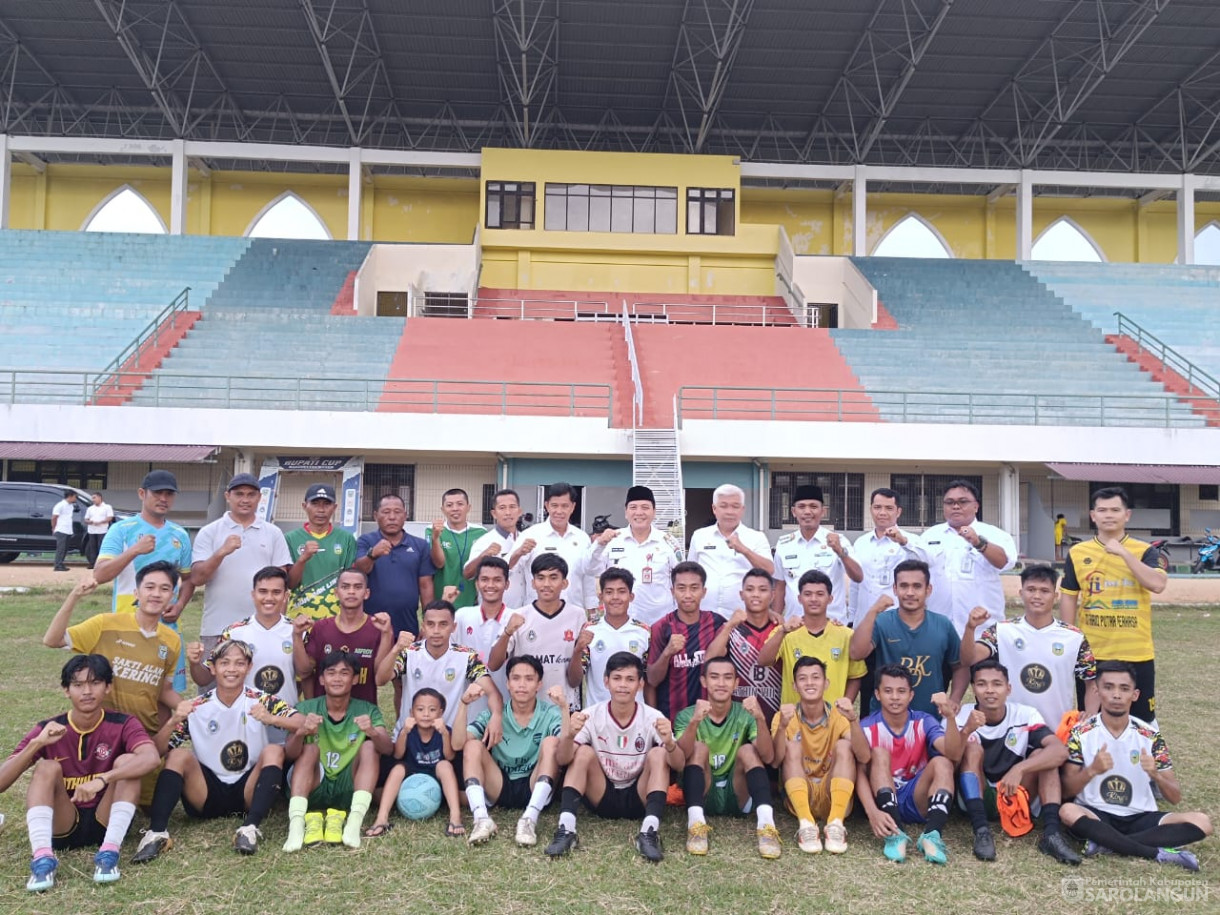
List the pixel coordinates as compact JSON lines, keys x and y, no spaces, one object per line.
{"x":573,"y":546}
{"x":794,"y":556}
{"x":650,"y":563}
{"x":631,"y":636}
{"x":1126,"y":788}
{"x":621,"y":748}
{"x":226,"y":738}
{"x":449,"y":675}
{"x":1008,"y":741}
{"x":550,"y":639}
{"x":1043,"y":664}
{"x":473,"y":630}
{"x":271,"y":670}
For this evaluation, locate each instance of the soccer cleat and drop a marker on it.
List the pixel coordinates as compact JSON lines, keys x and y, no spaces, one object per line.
{"x":1178,"y":856}
{"x":482,"y":831}
{"x":769,"y":844}
{"x":561,"y":843}
{"x":527,"y":833}
{"x":808,"y":840}
{"x":315,"y":828}
{"x":836,"y":837}
{"x":151,"y":846}
{"x":1057,"y":847}
{"x":648,"y":844}
{"x":106,"y":867}
{"x":332,"y":833}
{"x":42,"y":873}
{"x":696,"y":839}
{"x":896,"y":847}
{"x":984,"y":844}
{"x":245,"y":840}
{"x":933,"y":847}
{"x":1093,"y":849}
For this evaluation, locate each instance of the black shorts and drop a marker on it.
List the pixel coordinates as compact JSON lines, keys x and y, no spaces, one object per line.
{"x":515,"y":794}
{"x":1135,"y":822}
{"x":223,"y":799}
{"x":85,"y":832}
{"x":619,"y":803}
{"x":1144,"y":708}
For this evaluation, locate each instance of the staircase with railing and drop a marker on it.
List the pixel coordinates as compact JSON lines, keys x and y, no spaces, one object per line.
{"x":1178,"y":375}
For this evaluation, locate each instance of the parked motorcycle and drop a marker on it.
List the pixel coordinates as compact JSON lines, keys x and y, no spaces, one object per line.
{"x":1209,"y":553}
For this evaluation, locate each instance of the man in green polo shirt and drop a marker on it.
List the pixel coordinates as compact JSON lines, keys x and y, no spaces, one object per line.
{"x":452,"y":541}
{"x":320,"y":551}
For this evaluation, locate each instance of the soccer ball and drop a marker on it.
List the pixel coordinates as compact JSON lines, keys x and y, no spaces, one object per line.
{"x":419,"y":797}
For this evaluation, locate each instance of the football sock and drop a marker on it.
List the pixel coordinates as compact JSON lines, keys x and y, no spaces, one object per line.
{"x":693,"y":790}
{"x":539,"y":797}
{"x":476,"y":798}
{"x":759,"y":787}
{"x":121,"y":814}
{"x":1050,"y":819}
{"x":841,"y":790}
{"x":974,"y":800}
{"x":266,"y":790}
{"x":165,"y":795}
{"x":1106,"y":835}
{"x":568,"y":803}
{"x":797,"y":790}
{"x":1169,"y":835}
{"x":654,"y":806}
{"x":938,"y":810}
{"x":39,"y":821}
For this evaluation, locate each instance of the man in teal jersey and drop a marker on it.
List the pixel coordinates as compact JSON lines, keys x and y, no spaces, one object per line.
{"x":452,"y":542}
{"x":320,"y":551}
{"x":150,"y":536}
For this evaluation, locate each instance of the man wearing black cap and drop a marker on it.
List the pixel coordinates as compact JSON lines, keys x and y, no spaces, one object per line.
{"x":227,"y":554}
{"x":137,"y":541}
{"x":811,"y":547}
{"x":320,"y":551}
{"x":647,"y":553}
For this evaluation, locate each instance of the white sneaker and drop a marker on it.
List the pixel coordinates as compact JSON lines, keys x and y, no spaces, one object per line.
{"x":527,"y":833}
{"x":836,"y":837}
{"x":482,"y":831}
{"x":807,"y":839}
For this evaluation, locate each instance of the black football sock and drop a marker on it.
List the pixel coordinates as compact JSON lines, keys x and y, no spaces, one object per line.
{"x":938,"y":810}
{"x":166,"y":795}
{"x":1169,"y":835}
{"x":1109,"y":837}
{"x":693,"y":786}
{"x":266,"y":789}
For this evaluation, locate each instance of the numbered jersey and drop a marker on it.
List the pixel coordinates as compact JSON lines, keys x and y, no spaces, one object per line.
{"x":226,"y":738}
{"x":1126,"y":788}
{"x":723,"y":738}
{"x":339,"y":741}
{"x":271,"y":670}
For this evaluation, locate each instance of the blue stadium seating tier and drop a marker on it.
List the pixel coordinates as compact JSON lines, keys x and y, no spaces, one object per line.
{"x":990,"y":329}
{"x":1175,"y":303}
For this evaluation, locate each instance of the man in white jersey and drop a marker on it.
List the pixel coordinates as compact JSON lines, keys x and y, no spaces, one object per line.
{"x":480,"y":626}
{"x":879,"y":550}
{"x":811,"y":546}
{"x":1113,"y":762}
{"x":647,"y":553}
{"x":727,"y":550}
{"x":557,"y":537}
{"x":501,"y":542}
{"x":1046,"y":655}
{"x":612,"y":632}
{"x":619,"y":754}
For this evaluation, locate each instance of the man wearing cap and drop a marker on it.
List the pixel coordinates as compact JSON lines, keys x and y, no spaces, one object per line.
{"x":647,"y":553}
{"x":452,"y":546}
{"x":137,"y":541}
{"x":227,"y":554}
{"x":727,"y":550}
{"x":813,"y":547}
{"x":320,"y":551}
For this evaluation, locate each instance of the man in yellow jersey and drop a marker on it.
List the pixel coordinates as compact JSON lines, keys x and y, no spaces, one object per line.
{"x":1118,"y":576}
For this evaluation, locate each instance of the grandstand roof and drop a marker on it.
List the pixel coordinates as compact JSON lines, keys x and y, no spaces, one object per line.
{"x":1102,"y":85}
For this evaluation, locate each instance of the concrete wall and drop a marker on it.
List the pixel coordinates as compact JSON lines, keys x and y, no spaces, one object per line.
{"x":416,"y":268}
{"x":835,"y":280}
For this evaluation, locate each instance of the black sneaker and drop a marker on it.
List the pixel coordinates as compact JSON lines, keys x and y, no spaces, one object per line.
{"x":562,"y":843}
{"x":1057,"y":847}
{"x":245,"y":840}
{"x":984,"y":844}
{"x":648,"y":844}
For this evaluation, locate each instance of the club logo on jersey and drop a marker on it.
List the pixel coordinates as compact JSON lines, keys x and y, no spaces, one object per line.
{"x":1057,"y":649}
{"x":600,"y":646}
{"x":1116,"y":790}
{"x":418,"y":674}
{"x":796,"y":653}
{"x":1135,"y":757}
{"x":633,"y":646}
{"x":836,"y":653}
{"x":327,"y":649}
{"x":470,"y":630}
{"x":338,"y":550}
{"x":104,"y":751}
{"x":450,"y":674}
{"x":286,"y":646}
{"x":1011,"y":740}
{"x":234,"y":756}
{"x":531,"y":636}
{"x":162,"y":652}
{"x":269,"y":679}
{"x":639,"y":744}
{"x":537,"y":739}
{"x":569,"y":635}
{"x":213,"y":726}
{"x":1035,"y":678}
{"x":1019,"y":644}
{"x":177,"y":544}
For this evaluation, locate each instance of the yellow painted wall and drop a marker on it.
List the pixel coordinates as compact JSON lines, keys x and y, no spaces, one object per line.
{"x":434,"y":210}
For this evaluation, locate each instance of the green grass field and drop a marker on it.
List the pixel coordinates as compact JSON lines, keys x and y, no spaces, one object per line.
{"x":416,"y":869}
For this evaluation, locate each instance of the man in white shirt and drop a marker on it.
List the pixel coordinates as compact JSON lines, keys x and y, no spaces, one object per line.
{"x":812,"y":547}
{"x":479,"y":627}
{"x":878,"y":551}
{"x":227,"y":554}
{"x":647,"y":553}
{"x":727,"y":550}
{"x":61,"y":527}
{"x":501,"y":541}
{"x":966,"y":557}
{"x":556,"y":535}
{"x":97,"y":521}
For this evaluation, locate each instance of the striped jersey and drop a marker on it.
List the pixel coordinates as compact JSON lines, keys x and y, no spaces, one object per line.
{"x":911,"y":748}
{"x":681,"y":686}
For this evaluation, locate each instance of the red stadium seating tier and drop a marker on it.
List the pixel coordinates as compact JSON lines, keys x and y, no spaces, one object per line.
{"x":716,"y":359}
{"x":518,"y":368}
{"x":551,"y":304}
{"x":119,"y":387}
{"x":345,"y":300}
{"x":1173,"y":382}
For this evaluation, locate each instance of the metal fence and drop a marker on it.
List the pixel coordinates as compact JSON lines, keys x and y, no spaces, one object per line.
{"x":1168,"y":356}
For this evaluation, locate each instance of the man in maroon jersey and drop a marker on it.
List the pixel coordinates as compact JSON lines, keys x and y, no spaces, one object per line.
{"x":365,"y":638}
{"x":680,"y":640}
{"x":87,"y":765}
{"x":742,"y":639}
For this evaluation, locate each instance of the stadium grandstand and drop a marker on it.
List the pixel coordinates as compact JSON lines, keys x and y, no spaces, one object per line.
{"x":615,"y":243}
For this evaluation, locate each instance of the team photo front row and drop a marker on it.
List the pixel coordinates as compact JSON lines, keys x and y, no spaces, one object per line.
{"x":610,"y":715}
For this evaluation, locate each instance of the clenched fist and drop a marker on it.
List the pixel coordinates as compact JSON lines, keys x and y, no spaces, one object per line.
{"x":194,"y":652}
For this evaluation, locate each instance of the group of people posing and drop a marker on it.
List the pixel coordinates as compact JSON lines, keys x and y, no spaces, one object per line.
{"x":616,"y":672}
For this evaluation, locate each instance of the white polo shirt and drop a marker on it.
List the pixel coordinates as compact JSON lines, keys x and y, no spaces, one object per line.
{"x":62,"y":513}
{"x":877,"y":557}
{"x":226,"y":597}
{"x":725,"y":567}
{"x":473,"y":630}
{"x":794,"y":556}
{"x":515,"y":595}
{"x":650,"y":562}
{"x":98,"y":518}
{"x":962,"y":578}
{"x":573,"y":546}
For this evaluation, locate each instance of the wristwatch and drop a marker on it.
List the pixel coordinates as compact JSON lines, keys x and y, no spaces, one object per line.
{"x":982,"y":545}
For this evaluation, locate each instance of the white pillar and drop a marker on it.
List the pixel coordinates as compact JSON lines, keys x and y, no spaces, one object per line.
{"x":354,"y":190}
{"x":177,"y":189}
{"x":1186,"y":220}
{"x":859,"y":213}
{"x":1010,"y":502}
{"x":1025,"y":217}
{"x":6,"y":174}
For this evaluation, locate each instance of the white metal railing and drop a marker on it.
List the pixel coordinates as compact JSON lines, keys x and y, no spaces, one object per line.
{"x":738,"y":313}
{"x":637,"y":397}
{"x":544,"y":309}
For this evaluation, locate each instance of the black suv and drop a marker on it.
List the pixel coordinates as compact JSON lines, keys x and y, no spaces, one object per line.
{"x":25,"y":518}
